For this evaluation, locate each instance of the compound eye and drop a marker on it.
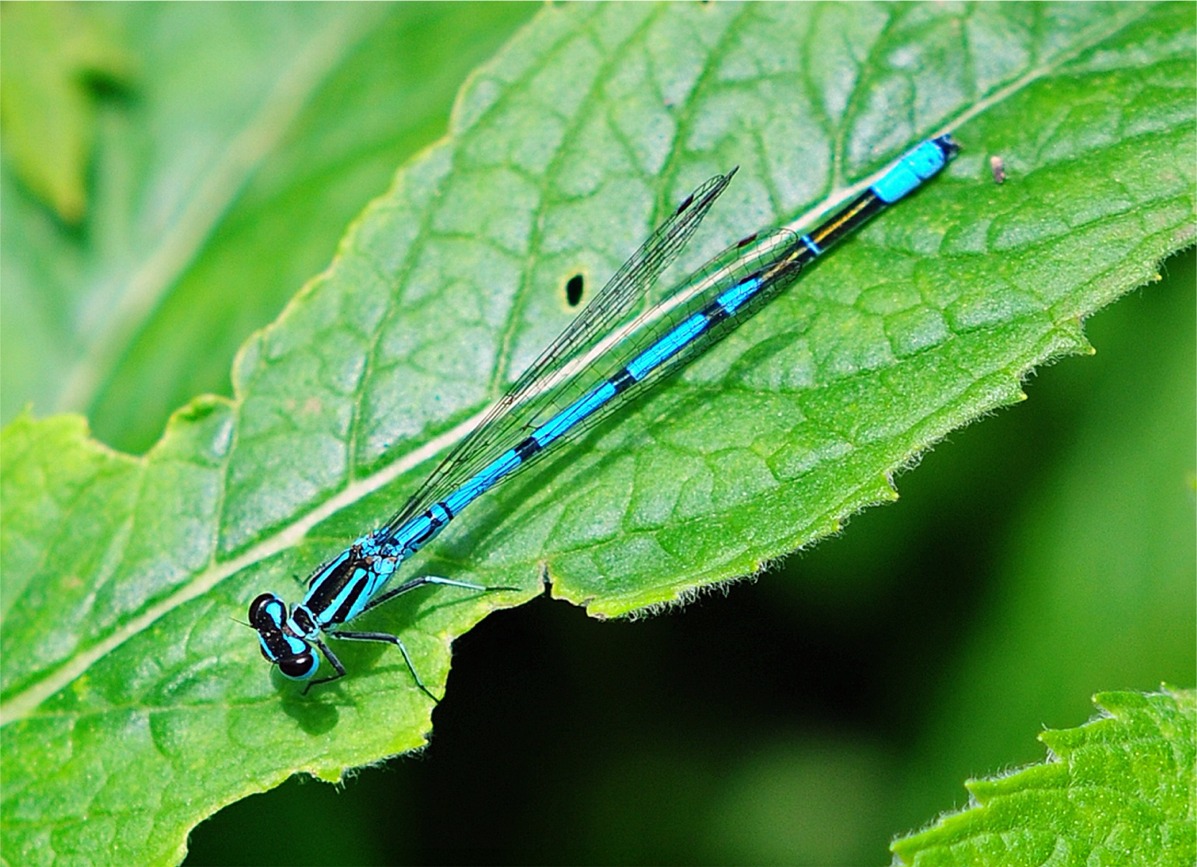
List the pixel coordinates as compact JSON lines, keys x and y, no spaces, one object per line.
{"x":301,"y":666}
{"x":257,"y":608}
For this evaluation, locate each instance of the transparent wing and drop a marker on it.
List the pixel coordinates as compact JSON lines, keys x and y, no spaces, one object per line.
{"x":554,"y":379}
{"x":762,"y":254}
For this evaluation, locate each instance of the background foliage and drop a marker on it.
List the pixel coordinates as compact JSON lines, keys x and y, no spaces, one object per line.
{"x":1034,"y":559}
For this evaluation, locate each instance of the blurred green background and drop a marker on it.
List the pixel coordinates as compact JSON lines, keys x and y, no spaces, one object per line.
{"x":1034,"y":558}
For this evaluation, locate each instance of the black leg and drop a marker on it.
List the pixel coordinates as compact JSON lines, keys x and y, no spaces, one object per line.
{"x":387,"y":638}
{"x":332,"y":660}
{"x":423,"y":581}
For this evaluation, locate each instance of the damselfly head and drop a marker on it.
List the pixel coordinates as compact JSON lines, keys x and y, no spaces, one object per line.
{"x":279,"y":643}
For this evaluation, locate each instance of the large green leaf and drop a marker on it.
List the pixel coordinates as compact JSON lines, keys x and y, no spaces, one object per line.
{"x":1117,"y":790}
{"x":133,"y":705}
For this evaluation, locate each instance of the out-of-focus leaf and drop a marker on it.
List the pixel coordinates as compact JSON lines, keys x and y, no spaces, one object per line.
{"x":51,"y":60}
{"x":248,"y":136}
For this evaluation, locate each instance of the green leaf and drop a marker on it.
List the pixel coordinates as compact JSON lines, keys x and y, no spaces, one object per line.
{"x":1117,"y":790}
{"x":133,"y":705}
{"x":226,"y":168}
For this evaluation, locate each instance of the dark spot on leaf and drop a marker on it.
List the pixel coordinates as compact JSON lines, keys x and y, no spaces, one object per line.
{"x":573,"y":290}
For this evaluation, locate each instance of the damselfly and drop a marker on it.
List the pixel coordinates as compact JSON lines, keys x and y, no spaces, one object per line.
{"x":606,"y":356}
